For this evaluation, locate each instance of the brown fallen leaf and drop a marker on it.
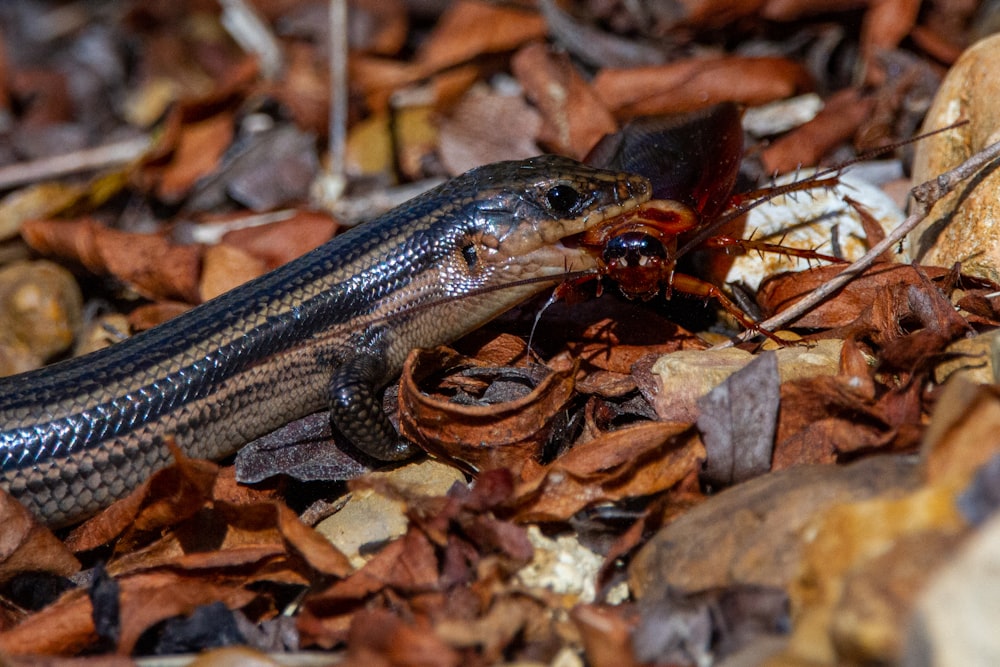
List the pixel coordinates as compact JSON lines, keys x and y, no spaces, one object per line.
{"x":842,"y":114}
{"x":886,"y":24}
{"x":467,"y":30}
{"x":606,"y":633}
{"x":154,"y":266}
{"x":865,"y":293}
{"x":66,"y":627}
{"x":631,"y":462}
{"x":27,"y":546}
{"x":168,"y":496}
{"x":821,"y":415}
{"x":225,"y":267}
{"x":467,"y":137}
{"x":471,"y":28}
{"x":698,"y":82}
{"x":199,"y":149}
{"x":147,"y":316}
{"x":573,"y":118}
{"x":451,"y":563}
{"x":378,"y":636}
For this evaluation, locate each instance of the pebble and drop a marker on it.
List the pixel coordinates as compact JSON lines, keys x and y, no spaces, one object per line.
{"x":963,"y":227}
{"x":957,"y":617}
{"x":40,"y":313}
{"x":368,"y":518}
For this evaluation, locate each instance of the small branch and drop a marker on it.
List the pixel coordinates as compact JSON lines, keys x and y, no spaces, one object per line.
{"x":329,"y":186}
{"x":925,"y":196}
{"x":99,"y":157}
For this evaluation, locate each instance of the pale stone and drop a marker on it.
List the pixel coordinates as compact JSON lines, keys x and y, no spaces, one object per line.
{"x":964,"y":226}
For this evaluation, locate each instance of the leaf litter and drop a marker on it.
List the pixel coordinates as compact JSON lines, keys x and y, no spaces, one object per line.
{"x":562,"y":436}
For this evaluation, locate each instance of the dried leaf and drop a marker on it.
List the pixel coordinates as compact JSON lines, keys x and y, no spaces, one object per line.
{"x":842,"y":115}
{"x":695,"y":83}
{"x":154,"y":266}
{"x":225,"y":267}
{"x":380,"y":636}
{"x":28,"y":546}
{"x":468,"y":137}
{"x":606,"y":633}
{"x":738,"y":421}
{"x":821,"y":415}
{"x":866,"y":292}
{"x":631,"y":462}
{"x":198,"y":152}
{"x":470,"y":28}
{"x":573,"y":118}
{"x":485,"y":436}
{"x":169,"y":495}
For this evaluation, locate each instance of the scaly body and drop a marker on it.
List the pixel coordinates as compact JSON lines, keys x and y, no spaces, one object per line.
{"x":328,"y":330}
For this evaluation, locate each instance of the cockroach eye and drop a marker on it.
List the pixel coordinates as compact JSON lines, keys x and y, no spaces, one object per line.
{"x":562,"y":199}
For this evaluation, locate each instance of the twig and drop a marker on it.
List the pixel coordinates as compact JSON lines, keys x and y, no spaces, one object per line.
{"x":252,"y":33}
{"x":338,"y":88}
{"x":99,"y":157}
{"x":330,"y":184}
{"x":925,"y":196}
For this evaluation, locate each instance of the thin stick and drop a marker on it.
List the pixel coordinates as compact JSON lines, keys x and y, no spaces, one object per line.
{"x":925,"y":196}
{"x":99,"y":157}
{"x":338,"y":90}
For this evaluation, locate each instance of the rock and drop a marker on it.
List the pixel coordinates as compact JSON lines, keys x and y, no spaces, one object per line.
{"x":369,"y":518}
{"x":971,"y":359}
{"x":958,"y":615}
{"x":963,"y":226}
{"x":870,"y":619}
{"x":752,"y":533}
{"x":40,"y":312}
{"x":684,"y":376}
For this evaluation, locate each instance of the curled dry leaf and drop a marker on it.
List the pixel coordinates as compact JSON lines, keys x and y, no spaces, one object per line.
{"x":504,"y":435}
{"x":168,"y":496}
{"x":151,"y":264}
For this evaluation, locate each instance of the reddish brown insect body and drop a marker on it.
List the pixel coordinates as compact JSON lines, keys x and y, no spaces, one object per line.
{"x":692,"y":161}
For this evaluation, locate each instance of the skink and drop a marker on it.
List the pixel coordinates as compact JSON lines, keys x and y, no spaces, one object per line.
{"x":329,"y":329}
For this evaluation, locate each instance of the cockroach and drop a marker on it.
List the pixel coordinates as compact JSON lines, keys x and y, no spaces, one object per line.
{"x":693,"y":162}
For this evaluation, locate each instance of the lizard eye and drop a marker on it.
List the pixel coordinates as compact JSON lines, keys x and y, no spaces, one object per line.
{"x":471,"y":255}
{"x":562,"y":199}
